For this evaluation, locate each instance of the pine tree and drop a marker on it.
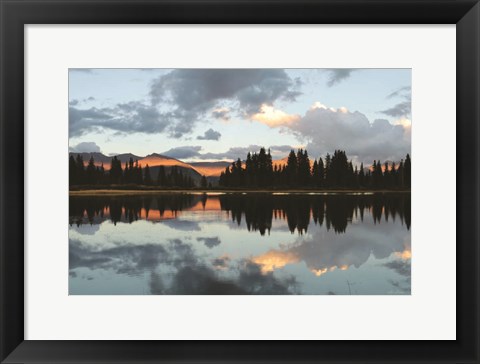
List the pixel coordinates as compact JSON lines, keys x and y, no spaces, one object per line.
{"x":72,"y":171}
{"x":291,"y":169}
{"x":328,"y":170}
{"x":161,"y":177}
{"x":303,"y":168}
{"x":407,"y":171}
{"x":203,"y":182}
{"x":315,"y":174}
{"x":80,"y":170}
{"x":148,"y":177}
{"x":115,"y":173}
{"x":361,"y":177}
{"x":90,"y":171}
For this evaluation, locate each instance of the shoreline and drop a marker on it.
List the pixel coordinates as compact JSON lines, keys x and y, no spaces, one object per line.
{"x":120,"y":192}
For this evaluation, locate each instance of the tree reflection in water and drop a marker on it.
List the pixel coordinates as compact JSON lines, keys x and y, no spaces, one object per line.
{"x":258,"y":210}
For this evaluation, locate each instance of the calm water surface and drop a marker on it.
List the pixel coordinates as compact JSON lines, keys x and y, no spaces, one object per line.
{"x":248,"y":243}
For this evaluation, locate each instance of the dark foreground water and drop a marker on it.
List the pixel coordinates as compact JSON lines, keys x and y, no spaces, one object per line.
{"x":248,"y":243}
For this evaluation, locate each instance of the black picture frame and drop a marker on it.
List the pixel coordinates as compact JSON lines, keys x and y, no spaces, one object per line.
{"x":17,"y":13}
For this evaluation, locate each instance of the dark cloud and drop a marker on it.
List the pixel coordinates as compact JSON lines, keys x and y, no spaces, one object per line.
{"x":73,"y":102}
{"x":201,"y":279}
{"x":337,"y":75}
{"x":188,"y":272}
{"x":221,"y":262}
{"x":221,"y":113}
{"x":191,"y":93}
{"x":184,"y":152}
{"x":184,"y":97}
{"x":124,"y":118}
{"x":210,"y":242}
{"x":399,"y":110}
{"x":210,"y":134}
{"x":85,"y":147}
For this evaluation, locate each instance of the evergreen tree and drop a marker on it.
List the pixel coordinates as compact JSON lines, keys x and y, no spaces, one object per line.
{"x":386,"y":176}
{"x":407,"y":174}
{"x":72,"y":171}
{"x":148,"y":177}
{"x":321,"y":173}
{"x":249,"y":170}
{"x":303,"y":168}
{"x":315,"y":174}
{"x":203,"y":182}
{"x":162,"y":177}
{"x":115,"y":173}
{"x":90,"y":171}
{"x":361,"y":177}
{"x":291,"y":169}
{"x":328,"y":171}
{"x":401,"y":175}
{"x":80,"y":170}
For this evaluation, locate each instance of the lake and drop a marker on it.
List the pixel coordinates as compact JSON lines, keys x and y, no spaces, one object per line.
{"x":240,"y":243}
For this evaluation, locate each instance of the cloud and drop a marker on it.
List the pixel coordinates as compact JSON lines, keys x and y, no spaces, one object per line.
{"x":85,"y":147}
{"x":401,"y":109}
{"x":281,"y":148}
{"x":222,"y":113}
{"x":180,"y":98}
{"x":191,"y":93}
{"x":124,"y":118}
{"x":76,"y":102}
{"x":326,"y":129}
{"x":182,"y":225}
{"x":402,"y":92}
{"x":194,"y":151}
{"x":221,"y":262}
{"x":337,"y":75}
{"x":183,"y":152}
{"x":231,"y":154}
{"x":210,"y":134}
{"x":272,"y":117}
{"x":401,"y":267}
{"x":324,"y":252}
{"x":210,"y":242}
{"x":188,"y":272}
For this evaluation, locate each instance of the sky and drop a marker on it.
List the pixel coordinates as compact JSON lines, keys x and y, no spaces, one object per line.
{"x":222,"y":114}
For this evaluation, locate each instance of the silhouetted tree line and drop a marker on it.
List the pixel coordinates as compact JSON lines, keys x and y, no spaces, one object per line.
{"x":335,"y":172}
{"x":258,"y":210}
{"x":299,"y":210}
{"x":96,"y":209}
{"x":132,"y":173}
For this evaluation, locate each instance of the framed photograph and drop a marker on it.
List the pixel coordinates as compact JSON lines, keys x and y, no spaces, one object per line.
{"x":239,"y":181}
